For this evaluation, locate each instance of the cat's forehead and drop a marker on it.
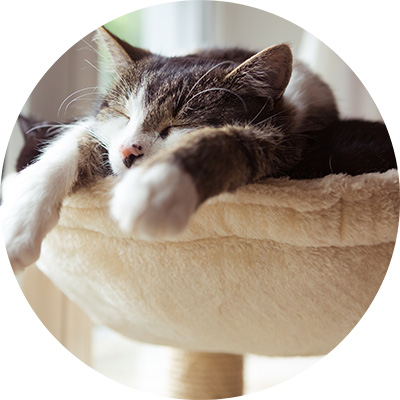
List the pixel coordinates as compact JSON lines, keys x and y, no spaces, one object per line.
{"x":163,"y":71}
{"x":167,"y":90}
{"x":163,"y":76}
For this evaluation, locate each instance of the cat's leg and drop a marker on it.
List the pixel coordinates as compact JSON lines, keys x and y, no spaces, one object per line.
{"x":157,"y":198}
{"x":32,"y":201}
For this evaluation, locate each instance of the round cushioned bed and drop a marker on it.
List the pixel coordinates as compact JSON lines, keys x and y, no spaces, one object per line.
{"x":283,"y":268}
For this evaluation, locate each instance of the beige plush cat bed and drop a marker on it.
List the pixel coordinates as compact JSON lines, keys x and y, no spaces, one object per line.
{"x":285,"y":268}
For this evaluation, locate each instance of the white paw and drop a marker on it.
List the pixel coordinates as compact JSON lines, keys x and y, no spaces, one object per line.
{"x":23,"y":248}
{"x":26,"y":219}
{"x":154,"y":202}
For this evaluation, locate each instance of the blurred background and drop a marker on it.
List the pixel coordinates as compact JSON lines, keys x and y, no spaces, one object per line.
{"x":66,"y":93}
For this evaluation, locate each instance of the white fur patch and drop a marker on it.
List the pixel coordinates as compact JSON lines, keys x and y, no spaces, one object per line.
{"x":154,"y":202}
{"x":122,"y":131}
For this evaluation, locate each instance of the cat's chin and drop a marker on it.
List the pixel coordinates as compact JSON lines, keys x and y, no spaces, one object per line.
{"x":119,"y":169}
{"x":154,"y":202}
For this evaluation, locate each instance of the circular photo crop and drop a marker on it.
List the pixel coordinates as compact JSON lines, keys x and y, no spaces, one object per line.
{"x":200,"y":200}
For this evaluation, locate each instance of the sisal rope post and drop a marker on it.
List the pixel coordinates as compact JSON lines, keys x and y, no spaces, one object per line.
{"x":195,"y":375}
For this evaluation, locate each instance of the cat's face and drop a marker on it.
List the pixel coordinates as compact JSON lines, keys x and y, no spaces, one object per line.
{"x":145,"y":113}
{"x":155,"y":100}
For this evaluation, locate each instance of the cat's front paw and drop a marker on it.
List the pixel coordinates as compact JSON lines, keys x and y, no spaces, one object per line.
{"x":154,"y":202}
{"x":24,"y":227}
{"x":23,"y":248}
{"x":26,"y":217}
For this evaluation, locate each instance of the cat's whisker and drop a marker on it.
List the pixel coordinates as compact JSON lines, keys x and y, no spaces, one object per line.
{"x":50,"y":126}
{"x":101,"y":139}
{"x":259,"y":113}
{"x":55,"y":127}
{"x":93,"y":88}
{"x":79,"y":98}
{"x":104,"y":157}
{"x":205,"y":74}
{"x":270,"y":118}
{"x":176,"y":107}
{"x":100,"y":71}
{"x":106,"y":161}
{"x":92,"y":48}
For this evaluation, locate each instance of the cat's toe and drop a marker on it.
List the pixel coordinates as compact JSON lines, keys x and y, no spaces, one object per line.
{"x":22,"y":257}
{"x":22,"y":243}
{"x":154,"y":202}
{"x":25,"y":222}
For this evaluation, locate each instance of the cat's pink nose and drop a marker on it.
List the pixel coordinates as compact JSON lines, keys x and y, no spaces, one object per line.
{"x":134,"y":149}
{"x":130,"y":153}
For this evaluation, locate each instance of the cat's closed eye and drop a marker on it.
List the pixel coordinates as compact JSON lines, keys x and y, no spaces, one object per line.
{"x":165,"y":132}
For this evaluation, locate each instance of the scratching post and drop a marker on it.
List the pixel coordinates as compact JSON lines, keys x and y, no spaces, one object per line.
{"x":196,"y":375}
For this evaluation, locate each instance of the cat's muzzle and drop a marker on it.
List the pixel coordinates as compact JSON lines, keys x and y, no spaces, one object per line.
{"x":131,"y":153}
{"x":130,"y":160}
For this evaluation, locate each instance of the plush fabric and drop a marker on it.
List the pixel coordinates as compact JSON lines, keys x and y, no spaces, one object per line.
{"x":282,"y":268}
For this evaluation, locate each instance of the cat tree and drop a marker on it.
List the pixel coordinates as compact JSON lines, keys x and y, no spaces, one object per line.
{"x":285,"y":268}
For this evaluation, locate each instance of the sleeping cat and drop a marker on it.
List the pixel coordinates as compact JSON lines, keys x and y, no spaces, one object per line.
{"x":348,"y":146}
{"x":175,"y":132}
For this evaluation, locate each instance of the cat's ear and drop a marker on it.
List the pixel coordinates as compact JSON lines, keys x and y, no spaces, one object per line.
{"x":266,"y":74}
{"x":122,"y":53}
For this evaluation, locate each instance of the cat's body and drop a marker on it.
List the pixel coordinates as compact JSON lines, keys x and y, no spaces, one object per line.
{"x":349,"y":146}
{"x":177,"y":131}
